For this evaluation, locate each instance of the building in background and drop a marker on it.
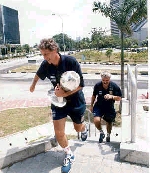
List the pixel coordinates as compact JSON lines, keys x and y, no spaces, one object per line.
{"x":78,"y":38}
{"x":9,"y":26}
{"x":113,"y":26}
{"x":140,"y":30}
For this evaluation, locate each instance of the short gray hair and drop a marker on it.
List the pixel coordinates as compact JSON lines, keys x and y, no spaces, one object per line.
{"x":105,"y":74}
{"x":48,"y":43}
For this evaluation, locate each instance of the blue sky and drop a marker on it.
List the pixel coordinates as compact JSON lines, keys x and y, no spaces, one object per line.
{"x":36,"y":20}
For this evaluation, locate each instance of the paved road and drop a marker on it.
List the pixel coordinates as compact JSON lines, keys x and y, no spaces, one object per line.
{"x":15,"y":63}
{"x":10,"y":64}
{"x":89,"y":79}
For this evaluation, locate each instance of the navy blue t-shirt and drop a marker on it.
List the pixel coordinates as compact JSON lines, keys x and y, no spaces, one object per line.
{"x":99,"y":92}
{"x":53,"y":73}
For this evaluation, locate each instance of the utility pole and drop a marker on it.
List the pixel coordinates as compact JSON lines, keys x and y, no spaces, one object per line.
{"x":62,"y":31}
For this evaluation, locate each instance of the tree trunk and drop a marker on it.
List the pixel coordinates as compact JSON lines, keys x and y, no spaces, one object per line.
{"x":122,"y":64}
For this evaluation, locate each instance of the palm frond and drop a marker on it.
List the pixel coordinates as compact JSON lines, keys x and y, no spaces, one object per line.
{"x":140,"y":11}
{"x":102,"y":8}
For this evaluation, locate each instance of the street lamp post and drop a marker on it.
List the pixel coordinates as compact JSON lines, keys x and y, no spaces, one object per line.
{"x":62,"y":31}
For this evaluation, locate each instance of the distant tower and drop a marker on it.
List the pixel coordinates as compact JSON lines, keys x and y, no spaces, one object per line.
{"x":9,"y":26}
{"x":113,"y":25}
{"x":78,"y":39}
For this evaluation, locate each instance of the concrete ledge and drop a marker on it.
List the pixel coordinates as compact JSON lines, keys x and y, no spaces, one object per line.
{"x":18,"y":154}
{"x":135,"y":153}
{"x":32,"y":61}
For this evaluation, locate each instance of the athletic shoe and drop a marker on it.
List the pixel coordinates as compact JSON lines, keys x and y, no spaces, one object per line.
{"x":101,"y":137}
{"x":84,"y":134}
{"x":69,"y":159}
{"x":108,"y":139}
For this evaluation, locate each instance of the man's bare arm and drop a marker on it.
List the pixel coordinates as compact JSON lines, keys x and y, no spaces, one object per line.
{"x":68,"y":93}
{"x":34,"y":82}
{"x":92,"y":103}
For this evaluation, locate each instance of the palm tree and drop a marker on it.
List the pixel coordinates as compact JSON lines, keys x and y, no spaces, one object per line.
{"x":109,"y":53}
{"x":127,"y":13}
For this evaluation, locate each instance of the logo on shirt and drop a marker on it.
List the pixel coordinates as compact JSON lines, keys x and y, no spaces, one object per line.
{"x":111,"y":90}
{"x":53,"y":78}
{"x":100,"y":92}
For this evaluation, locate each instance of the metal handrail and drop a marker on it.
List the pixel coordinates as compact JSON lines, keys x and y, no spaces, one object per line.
{"x":132,"y":97}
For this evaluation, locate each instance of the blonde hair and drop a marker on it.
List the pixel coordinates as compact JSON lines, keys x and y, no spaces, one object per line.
{"x":105,"y":74}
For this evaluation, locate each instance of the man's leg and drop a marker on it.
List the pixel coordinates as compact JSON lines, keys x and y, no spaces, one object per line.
{"x":109,"y":127}
{"x":79,"y":127}
{"x":109,"y":117}
{"x":109,"y":123}
{"x":97,"y":122}
{"x":59,"y":127}
{"x":77,"y":116}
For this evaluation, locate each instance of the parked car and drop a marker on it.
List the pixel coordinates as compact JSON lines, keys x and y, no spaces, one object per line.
{"x":69,"y":53}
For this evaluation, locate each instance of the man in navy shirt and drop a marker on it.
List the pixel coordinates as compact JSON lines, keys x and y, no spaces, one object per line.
{"x":105,"y":94}
{"x":52,"y":67}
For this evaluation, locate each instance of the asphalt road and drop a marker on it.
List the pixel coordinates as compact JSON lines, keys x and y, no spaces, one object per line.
{"x":142,"y":84}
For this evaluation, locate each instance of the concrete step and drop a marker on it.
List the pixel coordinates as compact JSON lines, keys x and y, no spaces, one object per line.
{"x":137,"y":151}
{"x":22,"y":145}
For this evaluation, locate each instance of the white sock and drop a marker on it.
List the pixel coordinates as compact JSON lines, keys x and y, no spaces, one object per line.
{"x":68,"y":150}
{"x":85,"y":130}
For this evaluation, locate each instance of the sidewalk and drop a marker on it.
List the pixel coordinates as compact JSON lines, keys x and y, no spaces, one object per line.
{"x":91,"y":157}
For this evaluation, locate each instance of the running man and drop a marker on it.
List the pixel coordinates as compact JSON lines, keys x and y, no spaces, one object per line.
{"x":52,"y":67}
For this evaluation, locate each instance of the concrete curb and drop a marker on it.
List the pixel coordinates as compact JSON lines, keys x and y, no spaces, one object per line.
{"x":97,"y":73}
{"x":134,"y":152}
{"x":131,"y":152}
{"x":18,"y":154}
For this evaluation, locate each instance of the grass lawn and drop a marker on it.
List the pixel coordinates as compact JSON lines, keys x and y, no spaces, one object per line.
{"x":15,"y":120}
{"x":33,"y":68}
{"x":19,"y":119}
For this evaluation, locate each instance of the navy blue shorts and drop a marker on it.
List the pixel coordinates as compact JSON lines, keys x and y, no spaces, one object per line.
{"x":76,"y":114}
{"x":109,"y":115}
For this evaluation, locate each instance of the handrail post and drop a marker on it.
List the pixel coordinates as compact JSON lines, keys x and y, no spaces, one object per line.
{"x":127,"y":82}
{"x":89,"y":121}
{"x":132,"y":96}
{"x":136,"y":75}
